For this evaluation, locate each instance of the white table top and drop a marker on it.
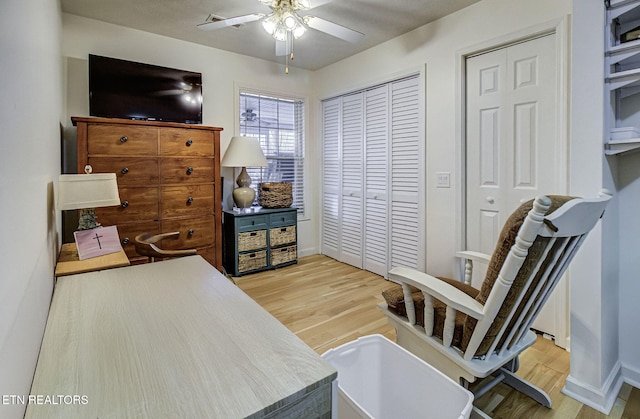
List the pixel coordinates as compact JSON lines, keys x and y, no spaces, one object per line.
{"x":168,"y":339}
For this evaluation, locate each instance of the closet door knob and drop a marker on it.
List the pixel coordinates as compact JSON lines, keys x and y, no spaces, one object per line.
{"x":124,"y":170}
{"x":123,"y":139}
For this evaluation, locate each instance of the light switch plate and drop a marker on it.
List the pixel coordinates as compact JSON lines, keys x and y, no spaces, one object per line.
{"x":443,"y":180}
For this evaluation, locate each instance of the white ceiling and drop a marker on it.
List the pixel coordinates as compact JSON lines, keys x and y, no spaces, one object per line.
{"x":379,"y":20}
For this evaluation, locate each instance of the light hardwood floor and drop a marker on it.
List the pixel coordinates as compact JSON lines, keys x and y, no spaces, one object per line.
{"x":328,"y":303}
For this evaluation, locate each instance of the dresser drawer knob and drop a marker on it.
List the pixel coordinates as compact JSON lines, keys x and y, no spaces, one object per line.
{"x":189,"y":142}
{"x":190,"y":170}
{"x":124,"y":170}
{"x":125,"y":240}
{"x":125,"y":204}
{"x":123,"y":139}
{"x":191,"y":232}
{"x":189,"y":200}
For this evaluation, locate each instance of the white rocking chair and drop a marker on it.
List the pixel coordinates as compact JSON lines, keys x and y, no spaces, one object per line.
{"x":470,"y":334}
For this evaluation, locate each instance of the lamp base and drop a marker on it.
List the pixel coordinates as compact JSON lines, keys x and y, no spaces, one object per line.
{"x":87,"y":219}
{"x":244,"y":196}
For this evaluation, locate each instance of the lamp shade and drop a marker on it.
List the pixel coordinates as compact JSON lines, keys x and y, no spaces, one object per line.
{"x":87,"y":191}
{"x":244,"y":152}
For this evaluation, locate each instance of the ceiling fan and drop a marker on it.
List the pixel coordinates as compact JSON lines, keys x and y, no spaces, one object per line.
{"x":285,"y":23}
{"x":249,"y":115}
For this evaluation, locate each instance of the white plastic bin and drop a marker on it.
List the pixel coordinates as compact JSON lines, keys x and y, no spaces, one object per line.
{"x":379,"y":379}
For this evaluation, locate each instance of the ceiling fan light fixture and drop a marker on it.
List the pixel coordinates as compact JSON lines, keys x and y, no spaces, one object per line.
{"x":280,"y":33}
{"x":299,"y":31}
{"x":270,"y":23}
{"x":289,"y":21}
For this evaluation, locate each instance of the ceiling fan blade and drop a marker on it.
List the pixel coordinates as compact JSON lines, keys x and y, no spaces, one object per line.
{"x":334,"y":29}
{"x":219,"y":24}
{"x":317,"y":3}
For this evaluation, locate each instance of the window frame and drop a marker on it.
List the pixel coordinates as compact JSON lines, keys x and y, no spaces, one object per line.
{"x":301,"y":202}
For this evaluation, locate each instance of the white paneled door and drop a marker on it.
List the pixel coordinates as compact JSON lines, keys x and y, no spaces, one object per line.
{"x":512,"y":140}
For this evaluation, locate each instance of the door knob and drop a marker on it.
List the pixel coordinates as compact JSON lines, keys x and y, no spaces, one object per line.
{"x":490,"y":199}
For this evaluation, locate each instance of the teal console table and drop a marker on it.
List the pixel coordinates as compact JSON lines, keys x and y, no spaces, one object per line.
{"x":259,"y":240}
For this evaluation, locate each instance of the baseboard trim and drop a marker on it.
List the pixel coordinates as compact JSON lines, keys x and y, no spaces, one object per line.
{"x":600,"y":399}
{"x":631,"y":375}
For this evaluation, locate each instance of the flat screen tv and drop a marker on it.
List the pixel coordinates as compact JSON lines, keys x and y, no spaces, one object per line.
{"x":126,"y":89}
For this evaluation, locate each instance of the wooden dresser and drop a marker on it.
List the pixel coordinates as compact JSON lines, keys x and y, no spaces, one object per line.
{"x":168,"y":179}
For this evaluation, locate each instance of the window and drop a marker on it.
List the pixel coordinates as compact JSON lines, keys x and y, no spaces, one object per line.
{"x":278,"y":123}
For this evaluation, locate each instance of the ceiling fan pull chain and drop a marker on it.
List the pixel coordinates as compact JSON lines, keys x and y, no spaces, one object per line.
{"x":291,"y":41}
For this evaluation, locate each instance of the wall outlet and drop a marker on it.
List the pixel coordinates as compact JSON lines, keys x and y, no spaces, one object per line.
{"x":443,"y":180}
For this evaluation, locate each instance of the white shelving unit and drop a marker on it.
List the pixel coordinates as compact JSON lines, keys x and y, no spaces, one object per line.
{"x":622,"y":78}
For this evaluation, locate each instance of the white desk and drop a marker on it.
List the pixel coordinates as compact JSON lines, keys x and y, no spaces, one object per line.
{"x":172,"y":339}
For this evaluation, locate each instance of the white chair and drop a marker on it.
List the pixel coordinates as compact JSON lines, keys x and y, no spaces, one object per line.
{"x":470,"y":334}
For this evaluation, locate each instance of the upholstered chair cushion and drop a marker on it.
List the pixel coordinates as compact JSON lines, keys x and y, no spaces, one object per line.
{"x":394,"y":298}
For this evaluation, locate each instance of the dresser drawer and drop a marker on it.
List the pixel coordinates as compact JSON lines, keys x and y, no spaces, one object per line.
{"x":252,"y":240}
{"x":135,"y":204}
{"x":282,"y":235}
{"x":114,"y":139}
{"x":283,"y":218}
{"x":250,"y":223}
{"x":128,"y":232}
{"x":178,"y":201}
{"x":139,"y":171}
{"x":194,"y":232}
{"x":186,"y":142}
{"x":183,"y":170}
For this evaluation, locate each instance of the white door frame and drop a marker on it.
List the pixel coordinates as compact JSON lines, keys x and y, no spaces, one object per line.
{"x":560,"y":27}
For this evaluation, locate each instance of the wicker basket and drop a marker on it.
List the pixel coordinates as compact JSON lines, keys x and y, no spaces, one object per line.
{"x":282,"y":255}
{"x":251,"y":240}
{"x":282,"y":235}
{"x":251,"y":261}
{"x":275,"y":195}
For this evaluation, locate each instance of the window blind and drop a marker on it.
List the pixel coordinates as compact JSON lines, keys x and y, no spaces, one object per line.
{"x":278,"y":123}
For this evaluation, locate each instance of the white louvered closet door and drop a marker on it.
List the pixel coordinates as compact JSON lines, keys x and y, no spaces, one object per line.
{"x":375,"y":177}
{"x":352,"y":180}
{"x":407,"y":174}
{"x":331,"y":153}
{"x":373,"y":188}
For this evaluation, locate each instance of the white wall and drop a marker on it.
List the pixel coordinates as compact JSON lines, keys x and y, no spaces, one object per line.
{"x":222,"y":73}
{"x":595,"y":371}
{"x":30,"y":115}
{"x":434,"y":46}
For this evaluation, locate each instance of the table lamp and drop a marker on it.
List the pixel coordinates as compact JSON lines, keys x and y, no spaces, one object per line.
{"x":86,"y":192}
{"x":243,"y":152}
